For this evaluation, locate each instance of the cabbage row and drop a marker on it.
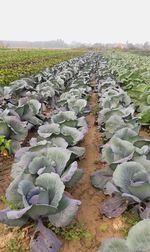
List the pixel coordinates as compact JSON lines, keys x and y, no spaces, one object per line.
{"x":25,"y":103}
{"x":126,"y":177}
{"x":54,"y":102}
{"x":133,"y":72}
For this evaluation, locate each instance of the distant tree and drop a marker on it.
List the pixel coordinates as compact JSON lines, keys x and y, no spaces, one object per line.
{"x":130,"y":46}
{"x":98,"y":45}
{"x":2,"y":45}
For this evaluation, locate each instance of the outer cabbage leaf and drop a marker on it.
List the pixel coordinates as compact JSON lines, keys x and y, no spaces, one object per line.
{"x":100,"y":178}
{"x":113,"y":245}
{"x":71,"y":135}
{"x":66,"y":117}
{"x":44,"y":240}
{"x":47,"y":130}
{"x":67,"y":210}
{"x":117,"y":151}
{"x":138,"y":237}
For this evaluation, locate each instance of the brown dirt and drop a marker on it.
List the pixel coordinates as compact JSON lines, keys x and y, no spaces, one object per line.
{"x":145,"y":133}
{"x":91,"y":198}
{"x":20,"y":237}
{"x":5,"y":168}
{"x":31,"y":133}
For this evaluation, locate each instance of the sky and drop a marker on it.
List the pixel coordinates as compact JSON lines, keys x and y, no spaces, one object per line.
{"x":86,"y":21}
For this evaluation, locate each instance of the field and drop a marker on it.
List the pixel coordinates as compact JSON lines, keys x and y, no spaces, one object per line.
{"x":141,"y":53}
{"x":75,"y":152}
{"x":17,"y":63}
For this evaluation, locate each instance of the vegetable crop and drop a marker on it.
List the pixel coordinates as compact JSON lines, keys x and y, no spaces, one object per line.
{"x":53,"y":102}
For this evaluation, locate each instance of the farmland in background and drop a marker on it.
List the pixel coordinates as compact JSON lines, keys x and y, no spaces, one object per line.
{"x":141,"y":52}
{"x":17,"y":63}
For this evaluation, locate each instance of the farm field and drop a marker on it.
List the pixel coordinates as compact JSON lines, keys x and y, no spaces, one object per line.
{"x":75,"y":153}
{"x":141,"y":53}
{"x":17,"y":63}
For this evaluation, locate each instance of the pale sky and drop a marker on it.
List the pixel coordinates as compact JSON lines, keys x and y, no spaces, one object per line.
{"x":75,"y":20}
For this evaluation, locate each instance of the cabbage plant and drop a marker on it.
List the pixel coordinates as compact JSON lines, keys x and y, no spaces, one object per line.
{"x":21,"y":87}
{"x":44,"y":197}
{"x":70,"y":134}
{"x":68,"y":118}
{"x":106,"y":113}
{"x":77,"y":105}
{"x":12,"y":127}
{"x":116,"y":122}
{"x":53,"y":159}
{"x":117,"y":151}
{"x":29,"y":111}
{"x":123,"y":146}
{"x":73,"y":92}
{"x":46,"y":90}
{"x":128,"y":185}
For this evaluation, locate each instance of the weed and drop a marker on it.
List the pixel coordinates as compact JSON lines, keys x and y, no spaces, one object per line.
{"x":4,"y":200}
{"x":125,"y":231}
{"x":103,"y":227}
{"x":130,"y":219}
{"x":4,"y":146}
{"x":8,"y":203}
{"x":87,"y":235}
{"x":72,"y":232}
{"x":14,"y":244}
{"x":95,"y":109}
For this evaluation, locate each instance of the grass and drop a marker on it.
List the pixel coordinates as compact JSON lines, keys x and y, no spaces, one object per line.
{"x":95,"y":110}
{"x":17,"y":63}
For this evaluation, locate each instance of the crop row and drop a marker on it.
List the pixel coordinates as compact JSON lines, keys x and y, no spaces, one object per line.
{"x":133,"y":73}
{"x":53,"y":102}
{"x":126,"y":177}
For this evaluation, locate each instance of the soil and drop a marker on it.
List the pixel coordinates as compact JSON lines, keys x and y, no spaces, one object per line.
{"x":144,"y":132}
{"x":5,"y":168}
{"x":32,"y":133}
{"x":90,"y":197}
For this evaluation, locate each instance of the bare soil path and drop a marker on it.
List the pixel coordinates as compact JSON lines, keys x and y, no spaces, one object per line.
{"x":91,"y":198}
